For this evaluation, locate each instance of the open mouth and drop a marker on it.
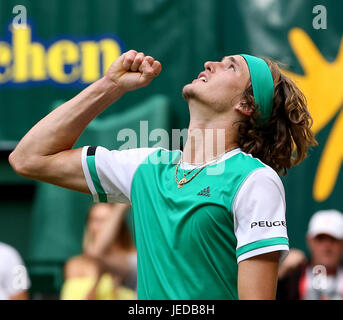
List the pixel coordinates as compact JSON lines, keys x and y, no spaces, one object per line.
{"x":202,"y":77}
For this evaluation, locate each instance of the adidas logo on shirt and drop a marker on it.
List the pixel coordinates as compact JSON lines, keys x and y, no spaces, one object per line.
{"x":205,"y":192}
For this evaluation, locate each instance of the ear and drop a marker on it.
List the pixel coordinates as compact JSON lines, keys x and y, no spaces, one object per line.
{"x":244,"y":109}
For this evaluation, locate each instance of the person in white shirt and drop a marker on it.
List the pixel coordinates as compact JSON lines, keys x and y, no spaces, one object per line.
{"x":14,"y":280}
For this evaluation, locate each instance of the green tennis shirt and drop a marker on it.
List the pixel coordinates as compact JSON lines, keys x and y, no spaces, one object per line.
{"x":190,"y":240}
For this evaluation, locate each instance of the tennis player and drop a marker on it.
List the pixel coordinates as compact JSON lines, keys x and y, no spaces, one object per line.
{"x":208,"y":222}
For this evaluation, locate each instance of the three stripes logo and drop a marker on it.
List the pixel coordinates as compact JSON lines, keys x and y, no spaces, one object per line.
{"x":205,"y":192}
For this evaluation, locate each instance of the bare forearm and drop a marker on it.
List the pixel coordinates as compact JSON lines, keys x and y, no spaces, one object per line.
{"x":59,"y":130}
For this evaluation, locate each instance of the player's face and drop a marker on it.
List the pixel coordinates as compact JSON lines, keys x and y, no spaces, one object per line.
{"x":221,"y":84}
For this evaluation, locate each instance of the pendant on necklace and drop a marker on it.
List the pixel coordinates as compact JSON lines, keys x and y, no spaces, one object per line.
{"x":181,"y":183}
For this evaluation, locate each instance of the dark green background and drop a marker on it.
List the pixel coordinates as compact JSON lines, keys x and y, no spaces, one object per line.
{"x":183,"y":35}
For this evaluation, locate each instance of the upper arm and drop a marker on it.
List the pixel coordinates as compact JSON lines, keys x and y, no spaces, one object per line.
{"x":259,"y":216}
{"x":257,"y":277}
{"x":63,"y":169}
{"x":106,"y":174}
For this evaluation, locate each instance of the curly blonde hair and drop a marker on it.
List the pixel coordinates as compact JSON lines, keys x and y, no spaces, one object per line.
{"x":284,"y":141}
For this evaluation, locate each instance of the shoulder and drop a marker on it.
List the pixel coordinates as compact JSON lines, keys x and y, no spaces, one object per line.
{"x":10,"y":259}
{"x":262,"y":186}
{"x":242,"y":164}
{"x":248,"y":159}
{"x":8,"y":252}
{"x":262,"y":175}
{"x":265,"y":178}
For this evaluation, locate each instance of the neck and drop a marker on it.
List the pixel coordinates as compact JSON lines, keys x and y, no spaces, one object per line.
{"x":208,"y":140}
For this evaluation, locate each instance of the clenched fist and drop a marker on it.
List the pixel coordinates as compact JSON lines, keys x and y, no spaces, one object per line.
{"x":133,"y":70}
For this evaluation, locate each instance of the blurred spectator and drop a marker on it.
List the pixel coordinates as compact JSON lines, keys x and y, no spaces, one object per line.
{"x":320,"y":278}
{"x":107,"y":269}
{"x":14,"y":281}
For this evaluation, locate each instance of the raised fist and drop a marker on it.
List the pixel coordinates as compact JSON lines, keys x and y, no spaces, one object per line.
{"x":133,"y":70}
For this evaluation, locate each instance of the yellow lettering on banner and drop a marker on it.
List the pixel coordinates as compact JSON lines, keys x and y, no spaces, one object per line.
{"x":5,"y":61}
{"x":90,"y":57}
{"x":29,"y":58}
{"x":110,"y":51}
{"x":21,"y":40}
{"x":63,"y":62}
{"x":60,"y":54}
{"x":37,"y":62}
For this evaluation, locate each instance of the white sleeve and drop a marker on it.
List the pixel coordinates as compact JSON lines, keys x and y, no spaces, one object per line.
{"x":109,"y":174}
{"x":15,"y":277}
{"x":260,"y":215}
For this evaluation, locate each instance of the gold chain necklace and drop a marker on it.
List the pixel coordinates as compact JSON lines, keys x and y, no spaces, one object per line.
{"x":180,"y":183}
